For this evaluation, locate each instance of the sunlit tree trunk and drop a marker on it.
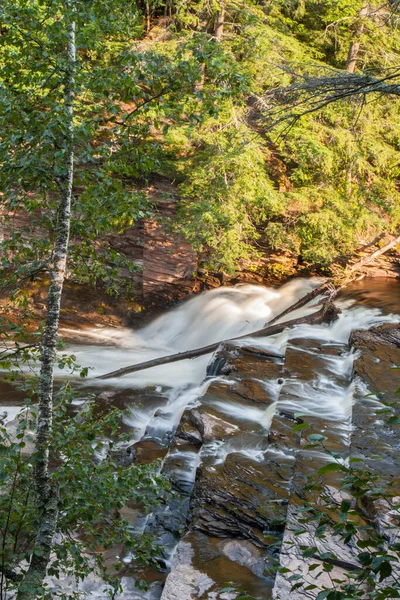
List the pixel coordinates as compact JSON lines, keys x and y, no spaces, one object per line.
{"x":219,"y":24}
{"x":355,"y":44}
{"x":353,"y":53}
{"x":46,"y":494}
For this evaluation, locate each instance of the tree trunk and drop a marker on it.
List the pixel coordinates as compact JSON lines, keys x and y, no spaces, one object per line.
{"x":371,"y":257}
{"x":355,"y":44}
{"x":199,"y":85}
{"x":219,"y":24}
{"x":352,"y":56}
{"x":46,"y":494}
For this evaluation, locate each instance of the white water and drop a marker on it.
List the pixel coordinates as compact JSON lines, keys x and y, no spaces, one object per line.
{"x":217,"y":315}
{"x":221,"y":314}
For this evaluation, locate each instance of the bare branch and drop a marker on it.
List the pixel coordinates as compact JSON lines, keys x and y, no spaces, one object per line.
{"x":310,"y":93}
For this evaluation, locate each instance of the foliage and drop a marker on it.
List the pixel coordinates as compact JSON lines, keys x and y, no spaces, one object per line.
{"x":353,"y":522}
{"x":183,"y":104}
{"x":228,"y":171}
{"x":158,"y":91}
{"x":93,"y":487}
{"x":330,"y":180}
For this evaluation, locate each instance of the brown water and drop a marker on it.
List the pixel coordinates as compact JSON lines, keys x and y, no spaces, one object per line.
{"x":382,"y":293}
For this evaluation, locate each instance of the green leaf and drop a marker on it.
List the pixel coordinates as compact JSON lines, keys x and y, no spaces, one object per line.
{"x":385,"y":570}
{"x":300,"y":427}
{"x":330,"y":468}
{"x":345,"y":506}
{"x":295,"y":577}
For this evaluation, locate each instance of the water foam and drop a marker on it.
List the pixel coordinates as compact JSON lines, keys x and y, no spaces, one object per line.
{"x":214,"y":316}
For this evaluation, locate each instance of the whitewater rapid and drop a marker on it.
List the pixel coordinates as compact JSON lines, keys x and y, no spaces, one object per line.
{"x":215,"y":316}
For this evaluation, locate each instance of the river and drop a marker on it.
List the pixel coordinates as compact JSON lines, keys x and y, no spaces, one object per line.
{"x":209,"y":430}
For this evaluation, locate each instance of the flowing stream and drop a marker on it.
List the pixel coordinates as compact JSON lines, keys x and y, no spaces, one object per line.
{"x":318,"y":384}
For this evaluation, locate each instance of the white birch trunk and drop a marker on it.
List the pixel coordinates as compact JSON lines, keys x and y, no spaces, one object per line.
{"x":47,"y":496}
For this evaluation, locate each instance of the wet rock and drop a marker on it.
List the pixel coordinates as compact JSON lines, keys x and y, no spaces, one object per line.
{"x":255,"y":367}
{"x":149,"y":450}
{"x":240,"y":497}
{"x":107,"y":396}
{"x":187,"y":433}
{"x":370,"y":339}
{"x":306,"y":360}
{"x":337,"y":435}
{"x":202,"y":424}
{"x":292,"y":550}
{"x":244,"y":553}
{"x":201,"y":569}
{"x":131,"y":513}
{"x":173,"y":518}
{"x":248,"y":361}
{"x":318,"y":346}
{"x":221,"y":363}
{"x":253,"y":390}
{"x":184,"y":581}
{"x":281,"y":433}
{"x":245,"y":414}
{"x":292,"y":559}
{"x":123,"y":456}
{"x":180,"y":468}
{"x":267,"y":353}
{"x":159,"y":430}
{"x":380,"y":352}
{"x":373,"y":439}
{"x":210,"y":426}
{"x":216,"y":366}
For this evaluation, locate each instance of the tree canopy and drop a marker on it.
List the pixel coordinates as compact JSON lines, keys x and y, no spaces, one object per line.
{"x":209,"y":95}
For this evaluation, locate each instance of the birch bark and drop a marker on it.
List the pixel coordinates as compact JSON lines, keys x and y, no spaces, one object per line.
{"x":46,"y":494}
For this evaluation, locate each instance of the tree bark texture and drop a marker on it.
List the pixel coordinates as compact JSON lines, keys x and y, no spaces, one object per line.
{"x":351,"y":62}
{"x":46,"y":495}
{"x":219,"y":24}
{"x":355,"y":44}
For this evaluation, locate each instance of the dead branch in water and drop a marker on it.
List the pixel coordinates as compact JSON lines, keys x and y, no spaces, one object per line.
{"x":371,"y":257}
{"x":324,"y":287}
{"x":328,"y":312}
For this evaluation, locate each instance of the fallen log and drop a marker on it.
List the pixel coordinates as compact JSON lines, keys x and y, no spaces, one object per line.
{"x":324,"y":287}
{"x":371,"y":257}
{"x":327,"y":313}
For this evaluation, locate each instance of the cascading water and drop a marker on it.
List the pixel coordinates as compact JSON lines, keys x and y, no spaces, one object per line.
{"x":214,"y":316}
{"x":217,"y":315}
